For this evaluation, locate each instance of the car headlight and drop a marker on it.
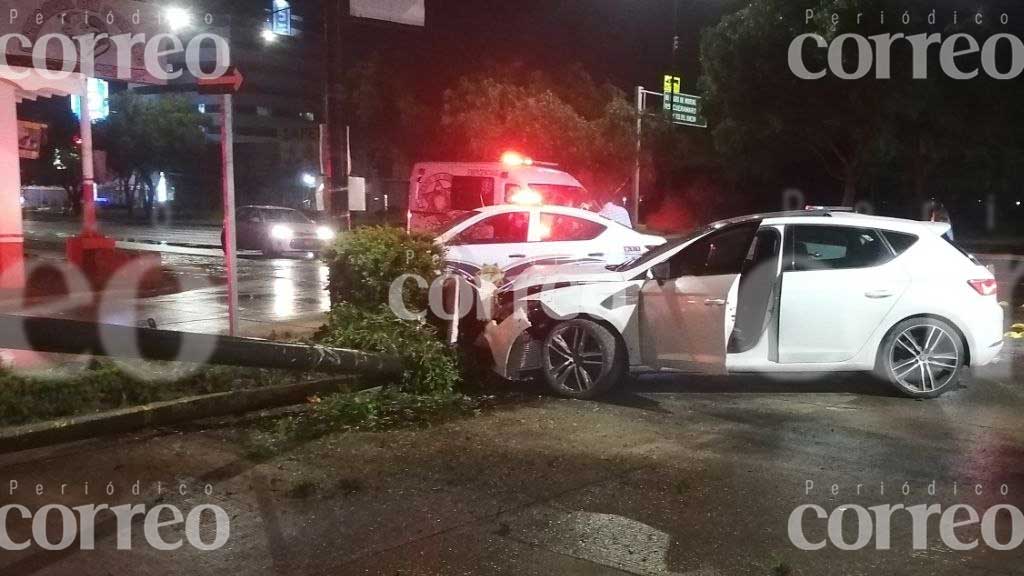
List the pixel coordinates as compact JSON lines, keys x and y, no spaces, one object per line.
{"x":324,"y":233}
{"x":282,"y":232}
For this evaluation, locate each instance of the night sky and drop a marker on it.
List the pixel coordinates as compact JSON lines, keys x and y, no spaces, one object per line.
{"x":624,"y":42}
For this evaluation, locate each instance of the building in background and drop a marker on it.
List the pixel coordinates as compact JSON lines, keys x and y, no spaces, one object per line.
{"x":277,"y":47}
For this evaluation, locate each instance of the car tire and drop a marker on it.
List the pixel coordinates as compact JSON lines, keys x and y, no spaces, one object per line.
{"x":922,"y":357}
{"x":582,"y":359}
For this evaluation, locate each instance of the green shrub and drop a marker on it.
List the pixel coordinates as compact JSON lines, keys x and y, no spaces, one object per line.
{"x":366,"y":411}
{"x":363,"y":264}
{"x":428,"y":366}
{"x":67,"y":391}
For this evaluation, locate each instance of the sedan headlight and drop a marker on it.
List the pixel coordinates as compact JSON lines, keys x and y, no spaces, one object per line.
{"x":282,"y":232}
{"x":324,"y":233}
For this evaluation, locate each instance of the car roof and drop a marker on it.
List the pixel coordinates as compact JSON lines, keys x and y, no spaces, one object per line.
{"x":500,"y":208}
{"x":841,"y":218}
{"x":550,"y":208}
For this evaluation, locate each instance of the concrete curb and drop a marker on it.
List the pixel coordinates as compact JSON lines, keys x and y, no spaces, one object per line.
{"x":53,"y":432}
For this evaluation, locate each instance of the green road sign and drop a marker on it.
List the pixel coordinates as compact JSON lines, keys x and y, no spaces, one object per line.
{"x":684,"y":109}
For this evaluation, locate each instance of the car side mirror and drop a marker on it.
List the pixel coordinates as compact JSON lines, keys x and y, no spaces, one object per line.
{"x":661,"y":271}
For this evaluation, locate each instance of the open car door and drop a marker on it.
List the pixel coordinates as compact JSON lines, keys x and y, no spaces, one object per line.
{"x":683,"y":308}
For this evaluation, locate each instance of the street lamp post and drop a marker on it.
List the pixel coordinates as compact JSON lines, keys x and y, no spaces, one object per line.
{"x":634,"y":200}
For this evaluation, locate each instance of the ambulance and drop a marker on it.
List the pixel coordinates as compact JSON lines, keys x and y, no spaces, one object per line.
{"x":440,"y":192}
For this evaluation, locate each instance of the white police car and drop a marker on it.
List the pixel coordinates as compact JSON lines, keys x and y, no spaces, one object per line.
{"x":515,"y":237}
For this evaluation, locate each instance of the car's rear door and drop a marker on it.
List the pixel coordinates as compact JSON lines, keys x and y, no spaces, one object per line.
{"x":838,"y":284}
{"x":683,"y":317}
{"x":568,"y":237}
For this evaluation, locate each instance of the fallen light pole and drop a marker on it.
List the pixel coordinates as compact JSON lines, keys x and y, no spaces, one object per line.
{"x":60,"y":336}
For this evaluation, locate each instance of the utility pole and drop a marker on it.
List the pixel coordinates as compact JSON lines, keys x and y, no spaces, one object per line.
{"x":326,"y":143}
{"x":332,"y":159}
{"x":634,"y":199}
{"x":89,"y":227}
{"x":227,"y":85}
{"x":227,"y":146}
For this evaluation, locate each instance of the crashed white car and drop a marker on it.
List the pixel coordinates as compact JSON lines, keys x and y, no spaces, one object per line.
{"x":812,"y":291}
{"x":515,"y":237}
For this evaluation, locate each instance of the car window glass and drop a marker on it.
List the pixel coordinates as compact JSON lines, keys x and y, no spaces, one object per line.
{"x":721,"y":252}
{"x":286,"y":216}
{"x":764,"y":250}
{"x":837,"y":247}
{"x":564,"y":228}
{"x":506,"y":228}
{"x":899,"y":240}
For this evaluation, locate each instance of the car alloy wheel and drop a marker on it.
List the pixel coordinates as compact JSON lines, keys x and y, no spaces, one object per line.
{"x":924,"y":357}
{"x":581,"y":359}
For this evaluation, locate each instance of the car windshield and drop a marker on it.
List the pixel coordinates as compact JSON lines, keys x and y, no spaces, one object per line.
{"x":656,"y":252}
{"x":285,"y":216}
{"x":560,"y":194}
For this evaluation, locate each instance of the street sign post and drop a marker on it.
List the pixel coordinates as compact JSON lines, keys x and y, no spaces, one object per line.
{"x":227,"y":85}
{"x":684,"y":109}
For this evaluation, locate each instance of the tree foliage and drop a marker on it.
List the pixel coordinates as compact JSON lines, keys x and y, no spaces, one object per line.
{"x":762,"y":111}
{"x":146,"y":135}
{"x":585,"y":127}
{"x":900,"y":133}
{"x":60,"y":158}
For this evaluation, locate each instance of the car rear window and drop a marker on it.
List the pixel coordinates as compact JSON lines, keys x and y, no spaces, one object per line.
{"x":565,"y":228}
{"x":899,"y":241}
{"x":816,"y":247}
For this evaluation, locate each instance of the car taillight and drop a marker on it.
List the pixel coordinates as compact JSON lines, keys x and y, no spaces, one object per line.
{"x":986,"y":287}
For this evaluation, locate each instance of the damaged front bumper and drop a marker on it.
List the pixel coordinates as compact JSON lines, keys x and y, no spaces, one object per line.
{"x":514,"y":349}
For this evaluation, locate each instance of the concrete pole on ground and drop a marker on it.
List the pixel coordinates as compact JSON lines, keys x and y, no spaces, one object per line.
{"x":12,"y":258}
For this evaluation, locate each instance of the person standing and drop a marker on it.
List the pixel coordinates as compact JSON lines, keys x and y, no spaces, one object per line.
{"x":939,"y":213}
{"x":615,"y":212}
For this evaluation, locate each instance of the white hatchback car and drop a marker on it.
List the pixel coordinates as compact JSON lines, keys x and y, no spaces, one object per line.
{"x":813,"y":291}
{"x":515,"y":237}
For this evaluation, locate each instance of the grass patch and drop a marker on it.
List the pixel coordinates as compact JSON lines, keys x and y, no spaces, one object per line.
{"x":72,"y":391}
{"x":303,"y":490}
{"x":367,"y":411}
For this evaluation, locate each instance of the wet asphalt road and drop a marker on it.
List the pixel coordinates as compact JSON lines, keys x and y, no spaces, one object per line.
{"x":280,"y":295}
{"x":672,"y":475}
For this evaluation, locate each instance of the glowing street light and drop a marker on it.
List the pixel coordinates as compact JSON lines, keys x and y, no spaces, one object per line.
{"x":177,"y":18}
{"x":309,"y":179}
{"x":268,"y":35}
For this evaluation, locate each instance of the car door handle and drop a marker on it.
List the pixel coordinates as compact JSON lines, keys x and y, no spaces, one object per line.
{"x":596,"y":254}
{"x":714,"y":302}
{"x":878,"y":294}
{"x":517,"y":255}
